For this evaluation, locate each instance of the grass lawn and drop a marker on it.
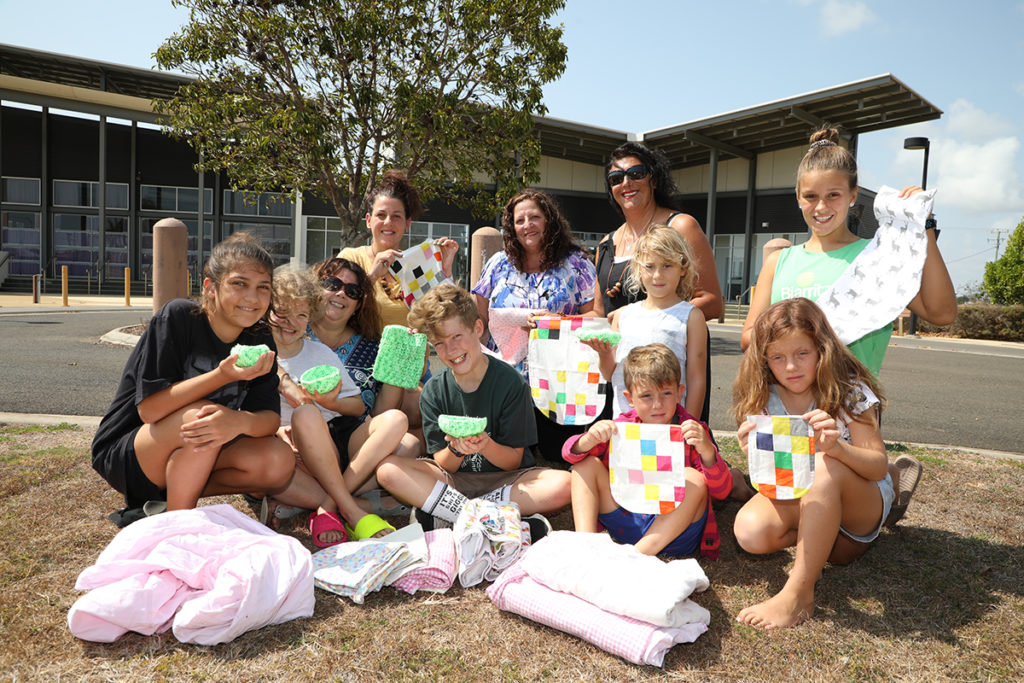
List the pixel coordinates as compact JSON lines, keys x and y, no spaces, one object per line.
{"x":939,"y":598}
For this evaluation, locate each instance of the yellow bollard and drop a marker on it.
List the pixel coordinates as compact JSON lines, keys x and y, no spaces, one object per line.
{"x":188,"y":280}
{"x":127,"y":286}
{"x":64,"y":284}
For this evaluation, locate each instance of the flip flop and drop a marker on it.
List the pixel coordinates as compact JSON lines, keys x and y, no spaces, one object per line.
{"x":910,"y":476}
{"x":326,"y":521}
{"x":368,"y":526}
{"x":375,"y":498}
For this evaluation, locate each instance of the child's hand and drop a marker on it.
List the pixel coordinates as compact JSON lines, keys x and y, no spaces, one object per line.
{"x":695,"y":435}
{"x":468,"y":445}
{"x":382,"y":263}
{"x":234,"y":373}
{"x":743,"y":434}
{"x":826,"y":434}
{"x":213,"y":426}
{"x":601,"y":432}
{"x":599,"y":345}
{"x":326,"y":398}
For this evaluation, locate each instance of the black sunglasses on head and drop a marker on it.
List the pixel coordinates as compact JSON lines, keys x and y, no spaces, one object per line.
{"x":333,"y":284}
{"x":638,"y":172}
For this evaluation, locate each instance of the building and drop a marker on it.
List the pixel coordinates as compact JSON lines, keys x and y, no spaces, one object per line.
{"x":86,"y":173}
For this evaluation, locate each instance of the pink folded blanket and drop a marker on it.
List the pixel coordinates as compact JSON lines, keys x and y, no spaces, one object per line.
{"x":442,"y":565}
{"x":635,"y":641}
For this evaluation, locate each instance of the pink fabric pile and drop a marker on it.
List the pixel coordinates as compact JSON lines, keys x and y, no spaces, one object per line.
{"x":210,"y":574}
{"x":442,"y":565}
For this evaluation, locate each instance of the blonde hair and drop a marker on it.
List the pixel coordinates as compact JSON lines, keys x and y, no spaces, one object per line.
{"x":654,"y":365}
{"x":668,"y":245}
{"x":297,"y":285}
{"x":441,"y":303}
{"x":826,"y":154}
{"x":836,"y":376}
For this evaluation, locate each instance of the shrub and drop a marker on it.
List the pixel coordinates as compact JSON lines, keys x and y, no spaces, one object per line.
{"x":1004,"y":279}
{"x":983,"y":321}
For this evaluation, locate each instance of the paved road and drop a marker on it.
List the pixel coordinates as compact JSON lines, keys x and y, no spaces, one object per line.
{"x":943,"y":392}
{"x":957,"y":393}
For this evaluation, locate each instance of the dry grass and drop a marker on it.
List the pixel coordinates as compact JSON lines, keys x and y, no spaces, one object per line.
{"x":940,"y":598}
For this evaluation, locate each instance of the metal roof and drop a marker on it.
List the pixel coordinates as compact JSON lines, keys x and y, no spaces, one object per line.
{"x":67,"y":82}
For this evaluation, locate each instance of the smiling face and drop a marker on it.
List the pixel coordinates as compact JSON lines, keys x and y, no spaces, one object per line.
{"x":655,"y":405}
{"x":338,"y":306}
{"x":387,"y":223}
{"x":632,"y":194}
{"x":288,"y":322}
{"x":238,"y":301}
{"x":793,"y":360}
{"x":530,"y":226}
{"x":825,"y":198}
{"x":457,"y":345}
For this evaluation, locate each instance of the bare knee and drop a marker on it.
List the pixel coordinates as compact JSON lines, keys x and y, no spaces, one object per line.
{"x":393,"y":419}
{"x":278,"y":463}
{"x":751,"y":533}
{"x":389,"y":471}
{"x":306,"y":416}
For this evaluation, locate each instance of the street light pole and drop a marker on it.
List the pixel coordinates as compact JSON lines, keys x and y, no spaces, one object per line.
{"x":925,"y":144}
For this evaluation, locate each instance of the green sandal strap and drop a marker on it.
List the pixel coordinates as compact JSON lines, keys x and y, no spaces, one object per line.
{"x":368,"y":526}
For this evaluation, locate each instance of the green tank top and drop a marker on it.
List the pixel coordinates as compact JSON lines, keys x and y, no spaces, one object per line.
{"x":808,"y":274}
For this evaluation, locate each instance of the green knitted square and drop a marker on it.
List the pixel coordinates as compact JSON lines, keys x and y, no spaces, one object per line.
{"x":400,"y":357}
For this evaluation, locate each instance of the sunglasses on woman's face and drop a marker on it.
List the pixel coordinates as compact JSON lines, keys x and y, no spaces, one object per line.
{"x":638,"y":172}
{"x":333,"y":284}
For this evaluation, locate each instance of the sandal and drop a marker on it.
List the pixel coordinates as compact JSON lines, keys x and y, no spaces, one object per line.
{"x":271,"y":510}
{"x":375,"y":498}
{"x":324,"y":522}
{"x":910,"y":476}
{"x":368,"y":526}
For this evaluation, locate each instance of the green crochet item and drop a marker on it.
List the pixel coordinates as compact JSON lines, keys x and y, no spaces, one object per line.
{"x":248,"y":355}
{"x":608,"y":336}
{"x":400,"y":357}
{"x":320,"y":379}
{"x":460,"y":426}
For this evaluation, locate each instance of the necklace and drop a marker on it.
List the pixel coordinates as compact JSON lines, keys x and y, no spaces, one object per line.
{"x":615,"y":290}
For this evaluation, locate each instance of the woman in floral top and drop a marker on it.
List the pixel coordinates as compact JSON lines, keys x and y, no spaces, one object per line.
{"x":542,"y":269}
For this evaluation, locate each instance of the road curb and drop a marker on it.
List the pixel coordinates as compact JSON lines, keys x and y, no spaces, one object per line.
{"x":121,"y":338}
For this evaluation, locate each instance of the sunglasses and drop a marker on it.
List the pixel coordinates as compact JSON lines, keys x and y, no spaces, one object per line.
{"x":333,"y":284}
{"x":638,"y":172}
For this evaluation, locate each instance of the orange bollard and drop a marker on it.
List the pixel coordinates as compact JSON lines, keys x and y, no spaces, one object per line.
{"x":64,"y":284}
{"x":127,"y":286}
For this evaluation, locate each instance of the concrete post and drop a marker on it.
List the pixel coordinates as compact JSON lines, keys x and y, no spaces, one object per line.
{"x":170,"y":252}
{"x":485,"y":243}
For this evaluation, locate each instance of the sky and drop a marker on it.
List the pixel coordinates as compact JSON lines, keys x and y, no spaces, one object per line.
{"x":646,"y":64}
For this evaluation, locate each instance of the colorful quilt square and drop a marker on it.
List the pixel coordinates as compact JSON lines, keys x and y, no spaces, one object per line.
{"x":561,"y":368}
{"x":780,"y":456}
{"x":647,"y":467}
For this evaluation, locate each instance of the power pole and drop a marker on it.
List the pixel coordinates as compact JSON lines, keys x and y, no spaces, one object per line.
{"x":998,"y":239}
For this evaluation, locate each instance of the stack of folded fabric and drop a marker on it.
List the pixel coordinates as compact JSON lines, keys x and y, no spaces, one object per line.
{"x":211,"y":574}
{"x":488,"y":539}
{"x":438,"y":575}
{"x":357,"y":569}
{"x":627,"y":603}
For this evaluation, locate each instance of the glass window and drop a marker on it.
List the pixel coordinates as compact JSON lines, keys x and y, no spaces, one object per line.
{"x":188,"y":199}
{"x":19,"y":233}
{"x":20,"y":190}
{"x":272,"y":204}
{"x":240,"y":203}
{"x":71,"y":193}
{"x":323,"y":237}
{"x":75,"y":243}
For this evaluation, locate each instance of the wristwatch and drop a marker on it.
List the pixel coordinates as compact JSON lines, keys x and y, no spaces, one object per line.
{"x":456,"y":452}
{"x":930,"y":224}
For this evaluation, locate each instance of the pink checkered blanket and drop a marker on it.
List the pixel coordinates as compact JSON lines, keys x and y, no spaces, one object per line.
{"x":442,"y":565}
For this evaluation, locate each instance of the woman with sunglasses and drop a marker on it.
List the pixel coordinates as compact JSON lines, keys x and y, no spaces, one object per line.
{"x":391,"y":207}
{"x":642,"y":191}
{"x":544,"y":269}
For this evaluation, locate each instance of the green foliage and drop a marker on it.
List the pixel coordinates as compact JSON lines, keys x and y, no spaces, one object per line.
{"x":325,"y":95}
{"x":1004,"y":278}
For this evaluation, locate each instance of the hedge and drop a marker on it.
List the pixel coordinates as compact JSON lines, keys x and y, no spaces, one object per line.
{"x":983,"y":321}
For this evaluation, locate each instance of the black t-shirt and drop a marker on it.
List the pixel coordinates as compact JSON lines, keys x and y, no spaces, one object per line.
{"x":177,"y":345}
{"x":503,"y":397}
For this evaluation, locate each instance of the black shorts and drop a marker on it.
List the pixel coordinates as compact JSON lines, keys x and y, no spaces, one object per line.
{"x":119,"y":466}
{"x":342,"y":428}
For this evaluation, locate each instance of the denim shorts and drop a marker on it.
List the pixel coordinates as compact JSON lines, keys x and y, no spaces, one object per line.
{"x":629,"y":527}
{"x":888,"y":495}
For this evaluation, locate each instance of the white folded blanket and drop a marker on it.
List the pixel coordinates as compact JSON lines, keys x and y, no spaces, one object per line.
{"x":618,"y":578}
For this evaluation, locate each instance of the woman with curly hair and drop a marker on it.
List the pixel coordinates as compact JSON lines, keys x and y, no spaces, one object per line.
{"x":542,"y":269}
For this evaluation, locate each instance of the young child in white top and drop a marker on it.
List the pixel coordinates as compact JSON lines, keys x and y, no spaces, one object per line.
{"x":663,"y":268}
{"x":336,"y":451}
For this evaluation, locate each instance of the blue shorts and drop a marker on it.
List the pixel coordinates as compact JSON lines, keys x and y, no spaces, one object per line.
{"x":629,"y":527}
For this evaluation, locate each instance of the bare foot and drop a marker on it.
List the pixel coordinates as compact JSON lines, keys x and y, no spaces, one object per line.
{"x":779,"y":611}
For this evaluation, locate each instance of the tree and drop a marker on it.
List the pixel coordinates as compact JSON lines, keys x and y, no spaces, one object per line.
{"x":1004,"y":277}
{"x":325,"y":95}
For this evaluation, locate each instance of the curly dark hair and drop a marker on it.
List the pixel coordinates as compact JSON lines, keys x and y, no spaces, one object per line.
{"x":654,"y":159}
{"x":558,"y":239}
{"x":396,"y":184}
{"x":366,"y":320}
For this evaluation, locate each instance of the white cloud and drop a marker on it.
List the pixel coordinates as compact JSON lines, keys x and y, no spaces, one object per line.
{"x":839,"y":17}
{"x":1019,"y":87}
{"x":969,"y":122}
{"x":980,"y":177}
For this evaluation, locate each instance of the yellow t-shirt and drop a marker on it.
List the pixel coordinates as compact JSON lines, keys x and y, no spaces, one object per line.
{"x":393,"y":310}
